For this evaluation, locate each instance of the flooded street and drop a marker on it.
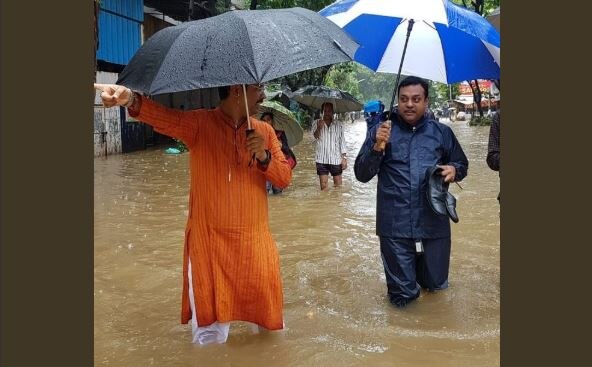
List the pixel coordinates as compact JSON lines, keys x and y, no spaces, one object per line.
{"x":335,"y":305}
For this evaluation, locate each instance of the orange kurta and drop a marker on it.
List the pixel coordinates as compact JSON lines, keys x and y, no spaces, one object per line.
{"x":235,"y":261}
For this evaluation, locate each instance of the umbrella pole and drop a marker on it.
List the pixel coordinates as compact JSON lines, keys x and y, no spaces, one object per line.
{"x":409,"y":28}
{"x":247,"y":107}
{"x":249,"y":130}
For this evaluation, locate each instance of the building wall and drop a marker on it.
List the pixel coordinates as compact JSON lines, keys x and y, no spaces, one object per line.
{"x":107,"y":121}
{"x":151,"y":25}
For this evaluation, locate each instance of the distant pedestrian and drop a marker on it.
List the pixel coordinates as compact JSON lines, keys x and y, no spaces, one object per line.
{"x":331,"y":150}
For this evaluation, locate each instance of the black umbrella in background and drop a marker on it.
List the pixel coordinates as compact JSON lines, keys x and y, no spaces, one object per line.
{"x":237,"y":47}
{"x":314,"y":97}
{"x":282,"y":96}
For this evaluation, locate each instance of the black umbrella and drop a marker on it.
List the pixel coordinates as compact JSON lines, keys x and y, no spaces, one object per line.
{"x":315,"y":96}
{"x":282,"y":96}
{"x":237,"y":47}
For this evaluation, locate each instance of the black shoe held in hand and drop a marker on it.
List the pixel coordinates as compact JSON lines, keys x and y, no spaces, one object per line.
{"x":440,"y":200}
{"x":451,"y":207}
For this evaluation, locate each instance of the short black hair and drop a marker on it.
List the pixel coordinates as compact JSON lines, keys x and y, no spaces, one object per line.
{"x":324,"y":103}
{"x":413,"y":80}
{"x":224,"y":92}
{"x":266,"y":113}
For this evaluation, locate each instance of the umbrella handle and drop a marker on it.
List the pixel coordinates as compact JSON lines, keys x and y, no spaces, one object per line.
{"x":409,"y":28}
{"x":382,"y":144}
{"x":247,"y":107}
{"x":249,"y":131}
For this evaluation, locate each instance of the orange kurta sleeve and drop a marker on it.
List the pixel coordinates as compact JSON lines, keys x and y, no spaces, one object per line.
{"x":278,"y":171}
{"x":182,"y":125}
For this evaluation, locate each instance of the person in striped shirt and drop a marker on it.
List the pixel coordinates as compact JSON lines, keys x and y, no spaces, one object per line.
{"x":330,"y":147}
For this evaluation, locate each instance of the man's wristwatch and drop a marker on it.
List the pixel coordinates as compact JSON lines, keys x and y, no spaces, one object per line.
{"x":265,"y":162}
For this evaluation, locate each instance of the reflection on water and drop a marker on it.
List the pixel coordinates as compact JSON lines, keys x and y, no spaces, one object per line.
{"x":336,"y":310}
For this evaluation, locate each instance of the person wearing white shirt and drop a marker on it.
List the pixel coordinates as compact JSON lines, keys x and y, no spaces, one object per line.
{"x":330,"y":147}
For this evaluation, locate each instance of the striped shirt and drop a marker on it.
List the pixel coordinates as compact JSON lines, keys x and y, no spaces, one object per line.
{"x":330,"y":144}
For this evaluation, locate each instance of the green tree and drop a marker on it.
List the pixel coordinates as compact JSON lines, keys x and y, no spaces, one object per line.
{"x":446,"y":92}
{"x":342,"y":76}
{"x":482,"y":7}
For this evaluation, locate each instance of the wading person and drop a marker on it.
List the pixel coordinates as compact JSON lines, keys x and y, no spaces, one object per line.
{"x":414,"y":240}
{"x":230,"y":262}
{"x":331,"y":151}
{"x":288,"y":153}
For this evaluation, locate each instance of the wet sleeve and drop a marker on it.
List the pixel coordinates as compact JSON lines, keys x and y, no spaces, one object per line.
{"x":313,"y":128}
{"x":456,"y":155}
{"x":182,"y":125}
{"x":368,"y":160}
{"x":277,"y":171}
{"x":342,"y":141}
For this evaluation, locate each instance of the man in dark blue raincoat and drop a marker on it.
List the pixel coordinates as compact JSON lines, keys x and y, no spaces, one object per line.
{"x":414,"y":240}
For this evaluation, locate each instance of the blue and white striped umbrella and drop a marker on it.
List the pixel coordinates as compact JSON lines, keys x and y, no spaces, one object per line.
{"x":447,"y":43}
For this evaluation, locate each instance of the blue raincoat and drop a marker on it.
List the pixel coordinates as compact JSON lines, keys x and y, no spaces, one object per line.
{"x":402,"y":210}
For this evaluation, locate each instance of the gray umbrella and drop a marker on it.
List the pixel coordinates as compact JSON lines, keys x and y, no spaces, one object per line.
{"x":237,"y":47}
{"x":282,"y":96}
{"x":283,"y":119}
{"x":315,"y":96}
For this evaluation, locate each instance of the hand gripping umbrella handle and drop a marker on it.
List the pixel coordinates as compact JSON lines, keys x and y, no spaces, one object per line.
{"x":382,"y":144}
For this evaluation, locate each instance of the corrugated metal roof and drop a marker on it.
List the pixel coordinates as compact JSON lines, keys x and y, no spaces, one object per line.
{"x":119,"y":30}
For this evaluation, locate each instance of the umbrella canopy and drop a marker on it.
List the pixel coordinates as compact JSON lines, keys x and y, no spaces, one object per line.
{"x":446,"y":43}
{"x":315,"y":96}
{"x":283,"y":119}
{"x":237,"y":47}
{"x":373,"y":106}
{"x":282,"y":96}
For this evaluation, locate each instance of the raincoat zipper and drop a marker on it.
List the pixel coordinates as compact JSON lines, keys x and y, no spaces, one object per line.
{"x":411,"y":183}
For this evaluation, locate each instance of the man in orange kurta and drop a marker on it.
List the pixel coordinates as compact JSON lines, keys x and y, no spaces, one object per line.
{"x":229,"y":248}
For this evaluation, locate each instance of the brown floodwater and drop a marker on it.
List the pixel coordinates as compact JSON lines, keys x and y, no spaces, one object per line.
{"x":335,"y":305}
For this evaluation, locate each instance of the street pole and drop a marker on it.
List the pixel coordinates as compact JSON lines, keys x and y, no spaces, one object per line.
{"x":450,"y":92}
